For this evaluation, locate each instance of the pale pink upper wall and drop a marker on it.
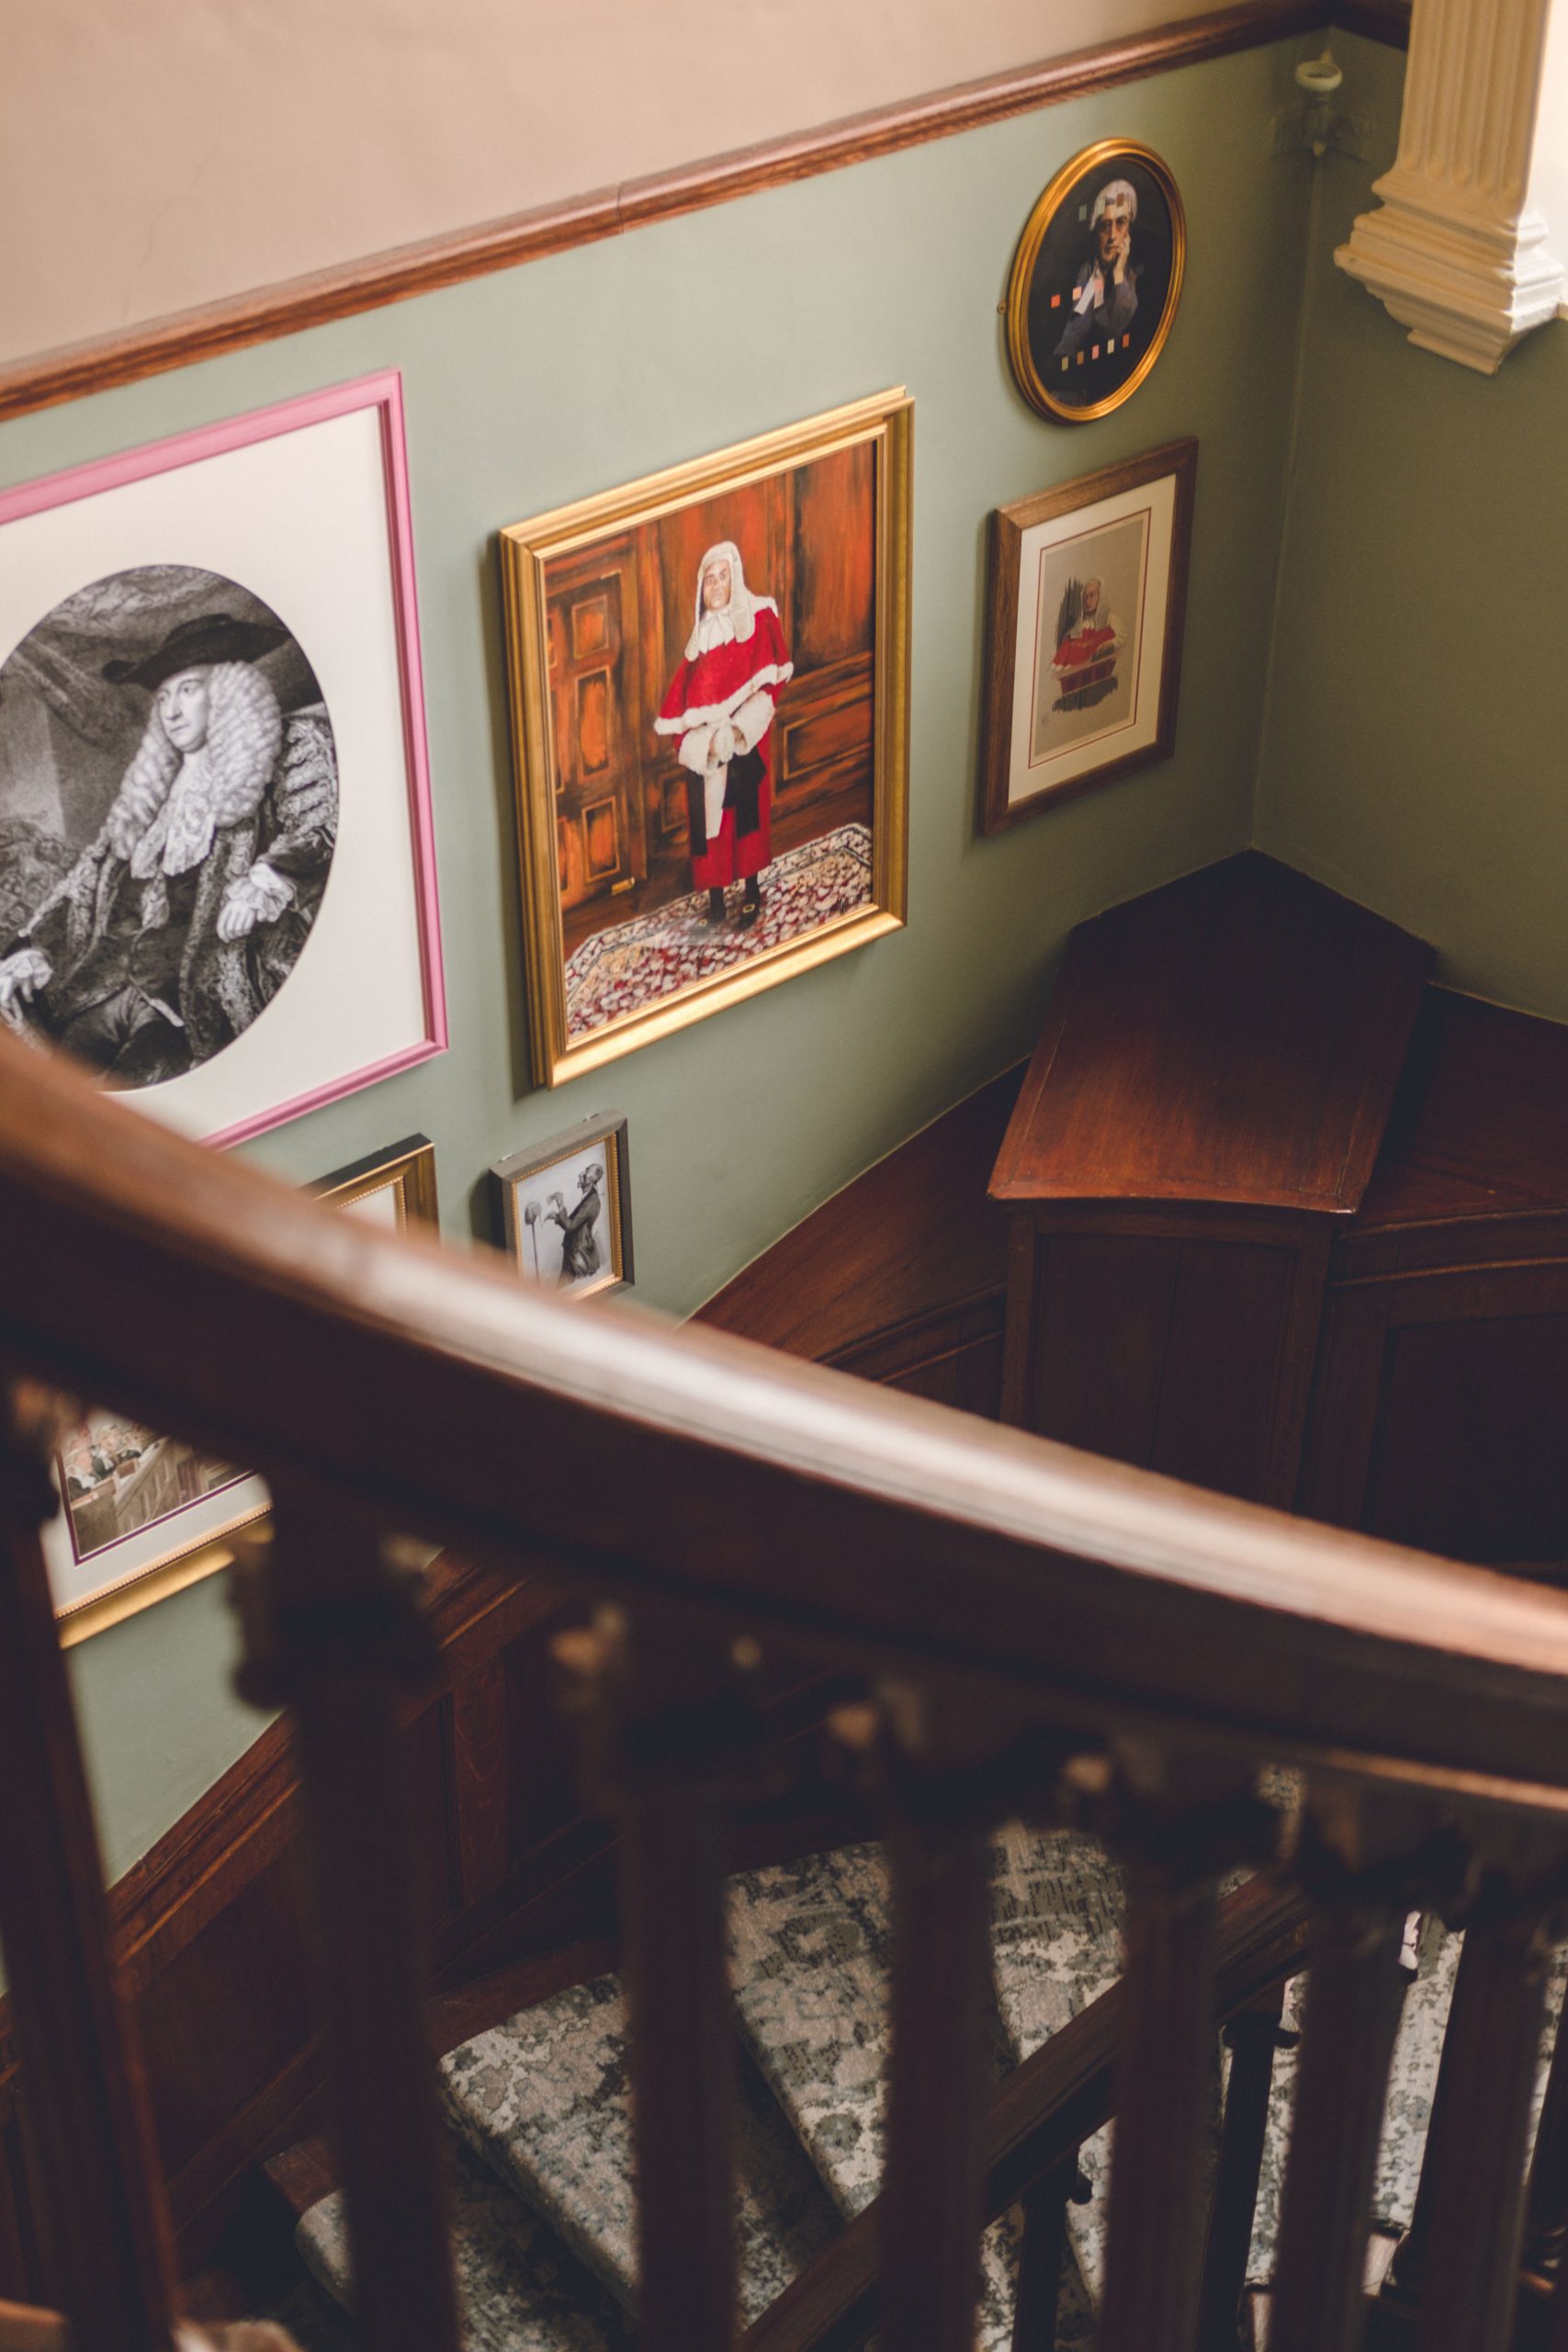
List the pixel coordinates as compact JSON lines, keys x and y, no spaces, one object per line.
{"x":167,"y":152}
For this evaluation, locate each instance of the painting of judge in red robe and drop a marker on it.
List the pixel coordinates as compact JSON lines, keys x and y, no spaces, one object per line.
{"x":1090,"y":638}
{"x":720,"y":708}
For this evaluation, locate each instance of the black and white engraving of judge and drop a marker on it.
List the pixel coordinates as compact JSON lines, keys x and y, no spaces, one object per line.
{"x":185,"y":911}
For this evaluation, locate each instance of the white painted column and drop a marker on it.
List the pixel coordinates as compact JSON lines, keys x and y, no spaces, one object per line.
{"x":1459,"y":251}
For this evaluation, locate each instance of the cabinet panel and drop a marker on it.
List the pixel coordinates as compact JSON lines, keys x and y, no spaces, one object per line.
{"x":1166,"y":1352}
{"x":1471,"y":1456}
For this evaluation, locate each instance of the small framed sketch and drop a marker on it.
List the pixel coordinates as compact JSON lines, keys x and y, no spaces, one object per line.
{"x":1086,"y":599}
{"x":395,"y":1188}
{"x":216,"y":870}
{"x":709,"y":681}
{"x":1095,"y":281}
{"x":143,"y":1516}
{"x":564,"y":1208}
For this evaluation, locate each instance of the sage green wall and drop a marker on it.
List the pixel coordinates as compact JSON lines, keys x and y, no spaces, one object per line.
{"x":547,"y":383}
{"x":1413,"y":755}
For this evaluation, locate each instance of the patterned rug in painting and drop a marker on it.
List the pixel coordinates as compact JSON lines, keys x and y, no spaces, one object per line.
{"x":651,"y":958}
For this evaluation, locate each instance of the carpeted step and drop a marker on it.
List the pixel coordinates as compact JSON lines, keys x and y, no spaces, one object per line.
{"x":810,"y":1955}
{"x":810,"y":1958}
{"x":544,"y":2100}
{"x":519,"y":2289}
{"x":1056,"y":1913}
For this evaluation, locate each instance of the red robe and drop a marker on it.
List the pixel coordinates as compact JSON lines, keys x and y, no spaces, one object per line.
{"x":1084,"y":644}
{"x":738,"y":682}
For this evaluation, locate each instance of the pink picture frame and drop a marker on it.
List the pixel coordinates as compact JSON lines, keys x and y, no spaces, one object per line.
{"x":305,"y":505}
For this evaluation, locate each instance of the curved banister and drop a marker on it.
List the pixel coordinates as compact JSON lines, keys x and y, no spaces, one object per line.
{"x":204,"y":1296}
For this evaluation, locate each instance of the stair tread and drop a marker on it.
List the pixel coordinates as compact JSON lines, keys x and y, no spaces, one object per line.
{"x":811,"y":1957}
{"x":810,"y":1947}
{"x":519,"y":2291}
{"x":545,"y":2099}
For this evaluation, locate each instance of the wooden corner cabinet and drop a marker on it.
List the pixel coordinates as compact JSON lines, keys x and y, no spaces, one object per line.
{"x":1289,"y":1221}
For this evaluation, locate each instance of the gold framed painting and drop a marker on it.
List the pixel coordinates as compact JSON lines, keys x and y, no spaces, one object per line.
{"x":395,"y":1188}
{"x":1096,"y":280}
{"x":566,"y":1209}
{"x":1085,"y":605}
{"x":143,"y":1515}
{"x":709,"y":685}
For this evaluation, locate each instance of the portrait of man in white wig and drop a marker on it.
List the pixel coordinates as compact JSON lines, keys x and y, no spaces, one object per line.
{"x":176,"y":922}
{"x":719,"y":710}
{"x":1104,"y":300}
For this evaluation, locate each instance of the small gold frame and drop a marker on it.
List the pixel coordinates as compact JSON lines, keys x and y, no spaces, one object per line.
{"x":408,"y":1170}
{"x":1021,"y":281}
{"x":886,"y":421}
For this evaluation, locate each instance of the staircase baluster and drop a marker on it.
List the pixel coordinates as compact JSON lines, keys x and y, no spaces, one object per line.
{"x":1355,"y":1988}
{"x":1464,"y":2250}
{"x":941,"y":2084}
{"x":1164,"y":1818}
{"x":1044,"y":2208}
{"x":81,"y":2068}
{"x":1546,"y":2205}
{"x":670,"y":1738}
{"x":683,"y":2057}
{"x":1252,"y":2039}
{"x":333,"y":1631}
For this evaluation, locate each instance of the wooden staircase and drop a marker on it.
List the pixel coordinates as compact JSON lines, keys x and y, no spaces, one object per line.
{"x":1037,"y":1634}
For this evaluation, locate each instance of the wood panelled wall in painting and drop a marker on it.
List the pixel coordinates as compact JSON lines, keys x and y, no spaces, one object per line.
{"x":617,"y":620}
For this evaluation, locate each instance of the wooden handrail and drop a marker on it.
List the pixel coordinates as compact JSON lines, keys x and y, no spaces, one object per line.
{"x":206,"y":1298}
{"x":1044,"y":2110}
{"x":26,"y":2327}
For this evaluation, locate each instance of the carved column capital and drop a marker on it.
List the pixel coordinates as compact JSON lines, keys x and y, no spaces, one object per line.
{"x":1459,"y":250}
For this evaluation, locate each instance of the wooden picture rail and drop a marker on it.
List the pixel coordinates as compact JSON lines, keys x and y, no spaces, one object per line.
{"x":397,"y":277}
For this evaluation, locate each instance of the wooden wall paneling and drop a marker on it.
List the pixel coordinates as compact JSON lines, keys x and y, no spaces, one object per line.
{"x":1436,"y":1413}
{"x":1207,"y":1100}
{"x":953,"y":1356}
{"x":1336,"y":1455}
{"x":477,"y":1773}
{"x":1181,"y":1341}
{"x":913,"y":1236}
{"x":1466,"y":1453}
{"x":27,"y":2273}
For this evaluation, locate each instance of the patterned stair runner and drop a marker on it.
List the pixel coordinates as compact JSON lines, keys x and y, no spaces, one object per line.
{"x":543,"y":2211}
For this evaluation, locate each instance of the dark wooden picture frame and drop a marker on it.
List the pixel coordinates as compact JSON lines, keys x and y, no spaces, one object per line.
{"x":1078,"y":690}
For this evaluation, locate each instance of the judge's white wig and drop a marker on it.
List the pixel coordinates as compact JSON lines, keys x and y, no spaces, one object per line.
{"x":169,"y":805}
{"x":738,"y":618}
{"x":1115,"y":192}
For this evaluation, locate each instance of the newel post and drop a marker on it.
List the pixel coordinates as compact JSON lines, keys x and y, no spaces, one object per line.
{"x":1460,"y":249}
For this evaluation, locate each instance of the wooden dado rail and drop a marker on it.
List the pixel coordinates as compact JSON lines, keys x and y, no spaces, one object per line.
{"x":1041,"y":1630}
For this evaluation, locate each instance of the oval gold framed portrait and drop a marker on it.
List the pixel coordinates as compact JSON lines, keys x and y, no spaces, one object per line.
{"x":1096,"y":280}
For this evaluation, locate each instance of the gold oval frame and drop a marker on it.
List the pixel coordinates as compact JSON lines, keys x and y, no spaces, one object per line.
{"x":1025,"y":374}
